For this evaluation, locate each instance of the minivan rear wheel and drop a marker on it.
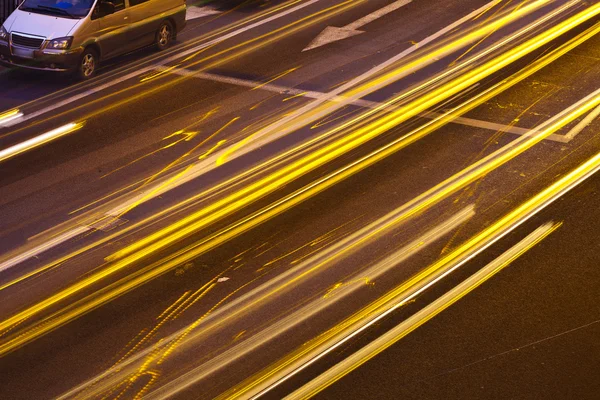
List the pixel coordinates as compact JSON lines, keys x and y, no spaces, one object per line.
{"x":164,"y":35}
{"x":88,"y":64}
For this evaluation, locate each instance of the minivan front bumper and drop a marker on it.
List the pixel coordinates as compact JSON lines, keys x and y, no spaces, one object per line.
{"x":41,"y":59}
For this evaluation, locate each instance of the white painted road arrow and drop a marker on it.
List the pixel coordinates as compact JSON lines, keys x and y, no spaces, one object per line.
{"x":333,"y":34}
{"x":194,"y":12}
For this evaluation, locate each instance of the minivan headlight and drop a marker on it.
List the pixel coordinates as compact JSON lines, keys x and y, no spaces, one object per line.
{"x":60,"y":43}
{"x":3,"y":34}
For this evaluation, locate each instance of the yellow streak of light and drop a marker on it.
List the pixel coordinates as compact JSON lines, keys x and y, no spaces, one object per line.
{"x":319,"y":157}
{"x":212,"y":149}
{"x":487,"y":35}
{"x":295,"y":96}
{"x":440,"y":268}
{"x":140,"y":279}
{"x":278,"y":326}
{"x":421,"y":317}
{"x":284,"y":73}
{"x":239,"y":227}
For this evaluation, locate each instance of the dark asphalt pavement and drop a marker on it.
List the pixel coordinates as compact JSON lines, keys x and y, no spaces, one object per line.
{"x":528,"y":332}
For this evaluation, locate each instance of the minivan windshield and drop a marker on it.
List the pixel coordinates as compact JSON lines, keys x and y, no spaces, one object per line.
{"x":59,"y":8}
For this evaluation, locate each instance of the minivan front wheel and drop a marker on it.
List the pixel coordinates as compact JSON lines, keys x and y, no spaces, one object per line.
{"x":88,"y":64}
{"x":164,"y":35}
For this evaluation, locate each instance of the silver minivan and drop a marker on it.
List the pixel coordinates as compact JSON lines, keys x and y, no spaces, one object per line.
{"x":75,"y":35}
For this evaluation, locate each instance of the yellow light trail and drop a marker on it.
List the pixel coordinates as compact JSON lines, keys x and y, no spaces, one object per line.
{"x":310,"y":309}
{"x":352,"y":140}
{"x":247,"y":224}
{"x":419,"y":282}
{"x":366,"y":353}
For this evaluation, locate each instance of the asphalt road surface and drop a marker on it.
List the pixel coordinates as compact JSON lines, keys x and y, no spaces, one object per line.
{"x":294,"y":199}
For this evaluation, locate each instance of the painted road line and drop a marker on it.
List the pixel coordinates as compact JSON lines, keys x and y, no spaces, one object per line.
{"x":392,"y":336}
{"x":582,"y":125}
{"x":332,"y":34}
{"x":175,"y":57}
{"x":38,"y":140}
{"x":194,"y":12}
{"x":357,"y":102}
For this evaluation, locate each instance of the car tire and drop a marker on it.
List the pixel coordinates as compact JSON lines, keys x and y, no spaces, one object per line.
{"x":164,"y":35}
{"x":87,"y":65}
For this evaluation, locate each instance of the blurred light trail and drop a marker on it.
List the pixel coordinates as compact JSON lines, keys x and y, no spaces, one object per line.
{"x":408,"y":290}
{"x":352,"y":140}
{"x":311,"y":309}
{"x":39,"y":140}
{"x":369,"y":351}
{"x":268,"y":290}
{"x":323,"y":105}
{"x":208,"y":215}
{"x":10,"y":116}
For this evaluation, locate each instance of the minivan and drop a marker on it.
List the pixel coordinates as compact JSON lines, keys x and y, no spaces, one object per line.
{"x":75,"y":35}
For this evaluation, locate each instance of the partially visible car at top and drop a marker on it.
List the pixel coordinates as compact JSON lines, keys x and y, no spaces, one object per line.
{"x":75,"y":35}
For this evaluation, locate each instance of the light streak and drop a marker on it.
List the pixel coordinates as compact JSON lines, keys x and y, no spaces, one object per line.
{"x":284,"y":73}
{"x":180,"y":229}
{"x":421,"y":317}
{"x":424,"y":279}
{"x":39,"y":140}
{"x":10,"y":116}
{"x":352,"y":140}
{"x":309,"y":310}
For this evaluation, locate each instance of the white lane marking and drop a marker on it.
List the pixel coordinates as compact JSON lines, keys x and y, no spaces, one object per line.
{"x":357,"y":102}
{"x":333,"y":34}
{"x":422,"y":316}
{"x":38,"y":141}
{"x":582,"y":125}
{"x":43,"y":247}
{"x":194,"y":12}
{"x":297,"y":119}
{"x":168,"y":60}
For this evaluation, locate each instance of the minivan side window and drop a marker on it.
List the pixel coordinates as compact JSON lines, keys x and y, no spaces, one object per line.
{"x":136,"y":2}
{"x":119,"y":4}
